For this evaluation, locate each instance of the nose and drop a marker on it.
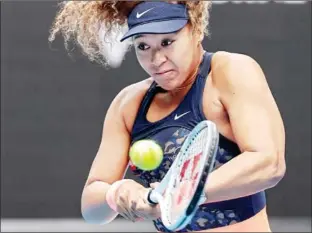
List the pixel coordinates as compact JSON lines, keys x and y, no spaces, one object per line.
{"x":158,"y":58}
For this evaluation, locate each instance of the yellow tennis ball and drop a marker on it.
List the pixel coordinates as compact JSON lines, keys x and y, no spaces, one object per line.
{"x":146,"y":155}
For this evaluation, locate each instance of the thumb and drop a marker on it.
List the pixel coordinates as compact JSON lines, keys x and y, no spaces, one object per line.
{"x":154,"y":185}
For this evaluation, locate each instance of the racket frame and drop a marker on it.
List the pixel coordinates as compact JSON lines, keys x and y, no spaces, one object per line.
{"x":155,"y":196}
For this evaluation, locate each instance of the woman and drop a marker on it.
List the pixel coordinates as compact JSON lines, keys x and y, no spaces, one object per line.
{"x":186,"y":85}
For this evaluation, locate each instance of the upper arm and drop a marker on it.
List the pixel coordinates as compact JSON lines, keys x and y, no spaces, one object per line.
{"x":111,"y":160}
{"x":252,"y":110}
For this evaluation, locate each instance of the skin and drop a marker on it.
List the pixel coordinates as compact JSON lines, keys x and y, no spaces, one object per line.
{"x":236,"y":97}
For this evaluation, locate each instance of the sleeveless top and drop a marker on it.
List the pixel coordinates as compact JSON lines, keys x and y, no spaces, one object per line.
{"x":170,"y":133}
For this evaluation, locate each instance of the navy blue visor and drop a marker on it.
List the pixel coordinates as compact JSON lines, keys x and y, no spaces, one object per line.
{"x":156,"y":18}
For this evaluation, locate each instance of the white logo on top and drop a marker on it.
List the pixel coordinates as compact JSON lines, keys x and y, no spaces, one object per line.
{"x":176,"y":117}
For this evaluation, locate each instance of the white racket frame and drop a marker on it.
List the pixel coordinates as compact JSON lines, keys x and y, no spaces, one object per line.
{"x":209,"y":152}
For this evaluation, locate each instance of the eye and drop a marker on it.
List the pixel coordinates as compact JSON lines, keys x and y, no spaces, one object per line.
{"x":166,"y":42}
{"x":143,"y":46}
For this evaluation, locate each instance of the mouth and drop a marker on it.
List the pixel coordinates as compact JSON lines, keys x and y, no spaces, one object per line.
{"x":163,"y":72}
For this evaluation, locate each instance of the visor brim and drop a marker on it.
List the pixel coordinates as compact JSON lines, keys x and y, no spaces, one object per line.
{"x":163,"y":27}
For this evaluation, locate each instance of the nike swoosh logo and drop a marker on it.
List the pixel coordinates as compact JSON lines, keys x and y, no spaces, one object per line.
{"x":139,"y":15}
{"x":176,"y":117}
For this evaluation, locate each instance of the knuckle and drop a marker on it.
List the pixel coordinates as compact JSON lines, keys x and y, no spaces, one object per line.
{"x":122,"y":198}
{"x":140,"y":208}
{"x":133,"y":204}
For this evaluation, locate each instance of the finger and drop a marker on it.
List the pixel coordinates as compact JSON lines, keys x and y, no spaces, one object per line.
{"x":153,"y":211}
{"x":138,"y":212}
{"x":146,"y":211}
{"x":127,"y":215}
{"x":132,"y":215}
{"x":127,"y":209}
{"x":123,"y":212}
{"x":154,"y":185}
{"x":124,"y":216}
{"x":135,"y":214}
{"x":133,"y":208}
{"x":121,"y":208}
{"x":156,"y":212}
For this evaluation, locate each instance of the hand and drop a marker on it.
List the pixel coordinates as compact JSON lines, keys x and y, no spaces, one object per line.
{"x":132,"y":204}
{"x":154,"y":185}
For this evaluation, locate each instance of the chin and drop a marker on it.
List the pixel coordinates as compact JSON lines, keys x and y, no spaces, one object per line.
{"x":170,"y":86}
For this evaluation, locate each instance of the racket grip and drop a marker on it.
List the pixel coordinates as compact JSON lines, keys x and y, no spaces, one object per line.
{"x":152,"y":197}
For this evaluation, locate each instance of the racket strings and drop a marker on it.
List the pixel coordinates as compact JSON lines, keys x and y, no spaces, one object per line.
{"x":194,"y":154}
{"x":186,"y":176}
{"x":189,"y":169}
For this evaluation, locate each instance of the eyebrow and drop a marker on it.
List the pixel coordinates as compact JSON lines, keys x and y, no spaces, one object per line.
{"x":142,"y":35}
{"x":138,"y":36}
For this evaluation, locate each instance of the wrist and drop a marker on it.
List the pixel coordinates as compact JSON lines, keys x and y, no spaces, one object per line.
{"x":211,"y":190}
{"x":111,"y":194}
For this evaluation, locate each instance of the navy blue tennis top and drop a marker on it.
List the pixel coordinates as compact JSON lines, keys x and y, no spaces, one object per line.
{"x":170,"y":133}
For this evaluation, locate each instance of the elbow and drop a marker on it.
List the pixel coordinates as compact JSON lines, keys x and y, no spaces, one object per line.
{"x":98,"y":215}
{"x":88,"y":217}
{"x":94,"y":208}
{"x":92,"y":214}
{"x":91,"y":218}
{"x":277,"y":168}
{"x":277,"y":175}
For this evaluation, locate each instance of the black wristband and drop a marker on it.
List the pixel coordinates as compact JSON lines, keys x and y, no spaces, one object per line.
{"x":149,"y":198}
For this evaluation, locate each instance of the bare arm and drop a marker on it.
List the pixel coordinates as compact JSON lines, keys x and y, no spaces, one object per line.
{"x":257,"y":127}
{"x":108,"y":166}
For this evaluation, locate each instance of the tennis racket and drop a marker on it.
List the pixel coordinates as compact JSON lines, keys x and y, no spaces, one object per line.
{"x":181,"y":191}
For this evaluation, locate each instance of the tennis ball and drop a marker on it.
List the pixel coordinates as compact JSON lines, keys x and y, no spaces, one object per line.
{"x":146,"y":154}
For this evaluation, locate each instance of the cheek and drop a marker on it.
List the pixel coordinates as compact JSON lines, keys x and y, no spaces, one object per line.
{"x":183,"y":55}
{"x":143,"y":61}
{"x":182,"y":61}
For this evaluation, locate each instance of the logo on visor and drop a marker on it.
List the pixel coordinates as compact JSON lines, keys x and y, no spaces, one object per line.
{"x":139,"y":15}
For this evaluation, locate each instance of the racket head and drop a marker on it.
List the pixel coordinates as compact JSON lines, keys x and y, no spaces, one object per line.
{"x":189,"y":173}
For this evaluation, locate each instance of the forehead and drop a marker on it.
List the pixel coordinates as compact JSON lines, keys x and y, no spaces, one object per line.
{"x":156,"y":37}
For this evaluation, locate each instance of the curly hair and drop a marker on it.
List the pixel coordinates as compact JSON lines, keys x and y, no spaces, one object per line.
{"x":96,"y":26}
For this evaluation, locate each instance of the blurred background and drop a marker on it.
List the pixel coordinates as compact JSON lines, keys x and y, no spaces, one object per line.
{"x":53,"y":106}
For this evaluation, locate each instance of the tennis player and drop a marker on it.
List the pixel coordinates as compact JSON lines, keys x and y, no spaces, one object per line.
{"x":186,"y":85}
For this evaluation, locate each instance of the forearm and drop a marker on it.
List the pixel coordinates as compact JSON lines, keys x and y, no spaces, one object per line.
{"x":246,"y":174}
{"x":94,"y":207}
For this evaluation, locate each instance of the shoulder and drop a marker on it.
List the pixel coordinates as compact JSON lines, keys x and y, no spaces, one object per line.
{"x":226,"y":60}
{"x":129,"y":99}
{"x":230,"y":70}
{"x":133,"y":93}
